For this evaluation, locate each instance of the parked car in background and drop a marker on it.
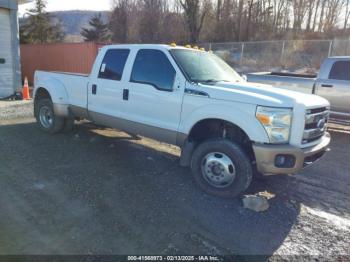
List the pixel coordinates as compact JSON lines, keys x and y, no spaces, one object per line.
{"x":226,"y":128}
{"x":332,"y":83}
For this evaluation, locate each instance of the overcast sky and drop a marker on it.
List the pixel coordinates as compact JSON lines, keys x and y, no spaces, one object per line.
{"x":57,"y":5}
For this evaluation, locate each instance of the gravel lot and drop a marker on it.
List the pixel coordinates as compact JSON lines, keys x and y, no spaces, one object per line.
{"x":15,"y":109}
{"x":96,"y":191}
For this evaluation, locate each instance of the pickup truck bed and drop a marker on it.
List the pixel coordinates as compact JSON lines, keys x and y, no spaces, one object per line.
{"x":70,"y":73}
{"x":76,"y":94}
{"x":295,"y":82}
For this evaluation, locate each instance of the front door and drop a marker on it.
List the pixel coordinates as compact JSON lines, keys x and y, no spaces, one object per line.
{"x":154,"y":95}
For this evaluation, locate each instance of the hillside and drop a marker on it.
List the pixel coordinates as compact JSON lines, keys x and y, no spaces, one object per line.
{"x":74,"y":21}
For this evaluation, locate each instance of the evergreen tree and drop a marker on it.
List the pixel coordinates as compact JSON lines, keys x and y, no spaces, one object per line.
{"x":98,"y":30}
{"x":39,"y":26}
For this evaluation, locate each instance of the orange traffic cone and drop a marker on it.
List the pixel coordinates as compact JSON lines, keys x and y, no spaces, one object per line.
{"x":25,"y":92}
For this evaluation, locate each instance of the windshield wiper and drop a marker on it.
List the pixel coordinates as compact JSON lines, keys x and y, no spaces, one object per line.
{"x":207,"y":81}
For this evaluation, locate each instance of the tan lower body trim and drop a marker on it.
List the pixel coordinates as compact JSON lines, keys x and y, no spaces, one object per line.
{"x":265,"y":156}
{"x":157,"y":133}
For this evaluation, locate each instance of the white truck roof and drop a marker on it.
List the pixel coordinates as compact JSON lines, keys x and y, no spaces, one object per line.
{"x":149,"y":46}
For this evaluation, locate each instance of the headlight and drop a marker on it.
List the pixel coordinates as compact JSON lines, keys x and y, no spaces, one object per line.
{"x":276,"y":122}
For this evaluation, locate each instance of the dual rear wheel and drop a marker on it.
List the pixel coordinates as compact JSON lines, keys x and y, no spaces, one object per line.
{"x":48,"y":121}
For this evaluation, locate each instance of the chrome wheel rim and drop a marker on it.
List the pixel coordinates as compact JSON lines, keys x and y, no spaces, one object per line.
{"x":218,"y":170}
{"x":46,"y":117}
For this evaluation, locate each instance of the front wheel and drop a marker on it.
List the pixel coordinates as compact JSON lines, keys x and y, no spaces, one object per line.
{"x":46,"y":118}
{"x":221,"y":168}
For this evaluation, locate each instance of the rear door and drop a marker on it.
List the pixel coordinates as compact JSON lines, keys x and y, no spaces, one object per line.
{"x":336,"y":89}
{"x":106,"y":87}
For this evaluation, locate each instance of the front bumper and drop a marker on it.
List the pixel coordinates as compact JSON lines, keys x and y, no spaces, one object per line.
{"x":265,"y":156}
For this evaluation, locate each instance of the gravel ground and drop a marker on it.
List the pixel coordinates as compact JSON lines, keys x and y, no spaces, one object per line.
{"x":96,"y":191}
{"x":15,"y":109}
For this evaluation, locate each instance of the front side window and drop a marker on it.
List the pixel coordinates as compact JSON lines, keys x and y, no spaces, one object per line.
{"x":340,"y":71}
{"x":154,"y":68}
{"x":113,"y":64}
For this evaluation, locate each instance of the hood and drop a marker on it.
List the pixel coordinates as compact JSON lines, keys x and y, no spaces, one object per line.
{"x":261,"y":94}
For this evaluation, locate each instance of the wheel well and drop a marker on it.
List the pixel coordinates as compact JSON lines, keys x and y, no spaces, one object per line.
{"x":42,"y":93}
{"x":216,"y":128}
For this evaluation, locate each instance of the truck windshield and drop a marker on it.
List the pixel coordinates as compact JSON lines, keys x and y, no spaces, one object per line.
{"x":204,"y":67}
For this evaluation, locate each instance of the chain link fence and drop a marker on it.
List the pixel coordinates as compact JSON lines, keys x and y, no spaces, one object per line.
{"x":299,"y":56}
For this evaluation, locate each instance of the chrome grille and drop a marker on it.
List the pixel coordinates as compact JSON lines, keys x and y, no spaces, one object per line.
{"x":315,"y":124}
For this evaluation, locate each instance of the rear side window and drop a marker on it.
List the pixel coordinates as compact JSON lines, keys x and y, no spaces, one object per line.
{"x":113,"y":64}
{"x":153,"y":67}
{"x":340,"y":71}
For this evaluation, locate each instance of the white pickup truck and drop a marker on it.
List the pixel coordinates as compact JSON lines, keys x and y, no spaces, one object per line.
{"x":226,"y":128}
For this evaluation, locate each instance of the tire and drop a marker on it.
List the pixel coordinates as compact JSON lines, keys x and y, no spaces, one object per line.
{"x":46,"y":118}
{"x":68,"y":124}
{"x":221,"y":168}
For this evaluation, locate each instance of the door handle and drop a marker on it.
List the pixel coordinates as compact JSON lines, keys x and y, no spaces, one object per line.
{"x":329,"y":86}
{"x":125,"y":94}
{"x":94,"y":89}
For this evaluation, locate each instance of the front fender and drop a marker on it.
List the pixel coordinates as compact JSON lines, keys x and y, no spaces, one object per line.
{"x":242,"y":115}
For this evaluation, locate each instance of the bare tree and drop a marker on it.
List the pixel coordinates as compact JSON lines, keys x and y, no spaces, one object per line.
{"x":119,"y":20}
{"x":278,"y":7}
{"x":320,"y":23}
{"x":249,"y":18}
{"x":310,"y":11}
{"x":186,"y":21}
{"x":194,"y":13}
{"x":333,"y":9}
{"x":239,"y":20}
{"x":151,"y":17}
{"x":347,"y":14}
{"x":218,"y":19}
{"x":315,"y":13}
{"x":299,"y":12}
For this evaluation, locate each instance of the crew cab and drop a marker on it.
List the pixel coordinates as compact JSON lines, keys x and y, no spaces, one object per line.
{"x":227,"y":129}
{"x":332,"y":83}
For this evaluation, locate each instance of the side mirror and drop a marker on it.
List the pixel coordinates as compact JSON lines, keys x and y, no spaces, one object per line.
{"x":245,"y":77}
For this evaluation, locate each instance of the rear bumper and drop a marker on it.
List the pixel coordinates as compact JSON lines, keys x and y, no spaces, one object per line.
{"x":265,"y":156}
